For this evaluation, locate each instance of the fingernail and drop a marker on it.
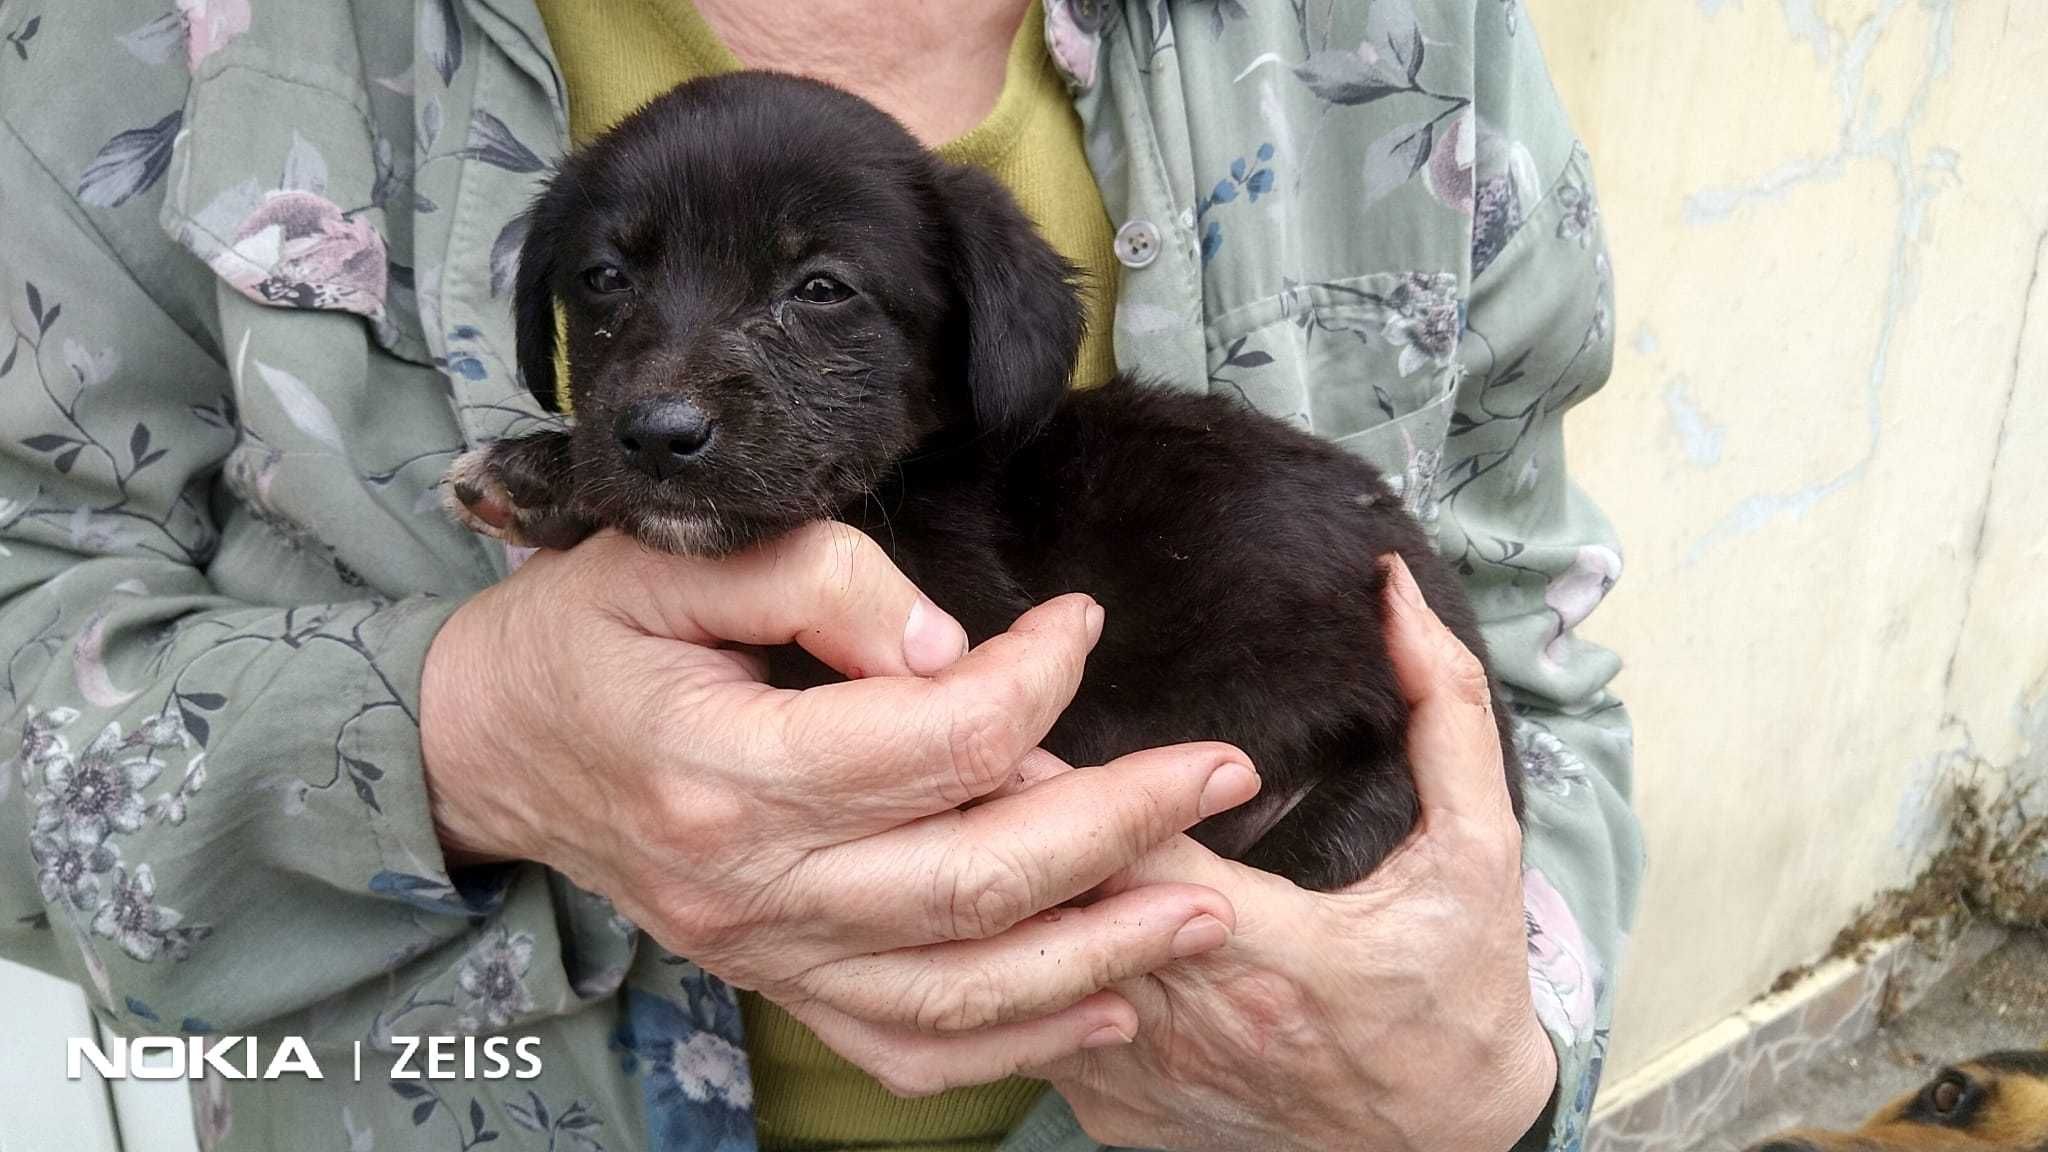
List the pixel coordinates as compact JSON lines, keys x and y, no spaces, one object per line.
{"x":1201,"y":934}
{"x":1228,"y":786}
{"x":1105,"y":1036}
{"x":1095,"y":618}
{"x":932,"y":640}
{"x":1403,"y":582}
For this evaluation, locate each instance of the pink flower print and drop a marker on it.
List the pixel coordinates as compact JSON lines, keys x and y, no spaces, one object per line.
{"x":1449,"y":171}
{"x":1073,"y":41}
{"x":1574,"y":593}
{"x":210,"y":25}
{"x":1563,"y":976}
{"x":299,"y":249}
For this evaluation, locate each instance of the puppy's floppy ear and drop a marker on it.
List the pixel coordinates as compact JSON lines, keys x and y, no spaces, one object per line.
{"x":1021,"y":304}
{"x":533,"y":306}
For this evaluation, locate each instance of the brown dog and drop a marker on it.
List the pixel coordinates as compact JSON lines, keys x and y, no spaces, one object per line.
{"x":1995,"y":1103}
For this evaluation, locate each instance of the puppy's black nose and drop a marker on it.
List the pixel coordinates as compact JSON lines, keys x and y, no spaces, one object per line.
{"x":1785,"y":1146}
{"x":658,"y":436}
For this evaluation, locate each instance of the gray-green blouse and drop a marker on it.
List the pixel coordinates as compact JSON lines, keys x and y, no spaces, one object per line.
{"x":255,"y":256}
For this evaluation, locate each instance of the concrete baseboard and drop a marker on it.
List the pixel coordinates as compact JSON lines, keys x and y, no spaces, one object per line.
{"x":1707,"y":1082}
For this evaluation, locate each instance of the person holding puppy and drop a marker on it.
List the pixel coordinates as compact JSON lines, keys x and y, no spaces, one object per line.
{"x":298,"y":756}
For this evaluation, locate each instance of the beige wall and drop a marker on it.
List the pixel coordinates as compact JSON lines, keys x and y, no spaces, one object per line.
{"x":1825,"y":445}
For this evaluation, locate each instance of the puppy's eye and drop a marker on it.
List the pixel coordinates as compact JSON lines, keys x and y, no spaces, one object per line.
{"x":606,"y":279}
{"x":1947,"y":1094}
{"x":823,"y":290}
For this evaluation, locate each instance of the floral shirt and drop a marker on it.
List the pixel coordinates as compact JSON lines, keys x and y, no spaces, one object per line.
{"x":256,"y":270}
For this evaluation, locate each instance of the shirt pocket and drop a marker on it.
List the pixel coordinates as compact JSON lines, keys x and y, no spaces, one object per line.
{"x":1409,"y":454}
{"x":280,"y":181}
{"x":1368,"y":362}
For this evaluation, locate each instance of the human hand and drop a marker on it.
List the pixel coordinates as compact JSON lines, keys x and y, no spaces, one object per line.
{"x":591,"y":713}
{"x":1393,"y":1015}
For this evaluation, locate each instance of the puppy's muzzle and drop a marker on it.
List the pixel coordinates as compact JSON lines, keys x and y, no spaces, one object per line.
{"x":660,"y":437}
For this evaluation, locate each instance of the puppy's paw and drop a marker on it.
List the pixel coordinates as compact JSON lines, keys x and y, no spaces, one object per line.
{"x":472,"y":495}
{"x":516,"y":491}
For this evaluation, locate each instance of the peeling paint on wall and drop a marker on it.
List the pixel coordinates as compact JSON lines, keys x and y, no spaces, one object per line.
{"x":1918,"y":181}
{"x":1699,"y":436}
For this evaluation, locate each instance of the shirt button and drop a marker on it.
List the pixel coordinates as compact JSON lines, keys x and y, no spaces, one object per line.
{"x":1137,"y":244}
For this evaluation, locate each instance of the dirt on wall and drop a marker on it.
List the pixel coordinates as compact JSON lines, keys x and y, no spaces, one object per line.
{"x":1994,"y":867}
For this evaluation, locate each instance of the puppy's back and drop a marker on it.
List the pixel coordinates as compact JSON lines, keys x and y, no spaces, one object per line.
{"x":1236,"y":557}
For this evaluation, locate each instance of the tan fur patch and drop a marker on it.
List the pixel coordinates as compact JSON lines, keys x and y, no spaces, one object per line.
{"x":2012,"y":1118}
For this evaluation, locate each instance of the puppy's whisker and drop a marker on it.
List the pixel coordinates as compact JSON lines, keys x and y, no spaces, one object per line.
{"x":761,"y":485}
{"x":867,"y":497}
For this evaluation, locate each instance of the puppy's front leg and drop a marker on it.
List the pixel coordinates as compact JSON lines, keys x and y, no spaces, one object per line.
{"x":519,"y":491}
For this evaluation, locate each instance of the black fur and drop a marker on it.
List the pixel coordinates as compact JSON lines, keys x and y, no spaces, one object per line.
{"x":1235,"y":555}
{"x":2019,"y":1063}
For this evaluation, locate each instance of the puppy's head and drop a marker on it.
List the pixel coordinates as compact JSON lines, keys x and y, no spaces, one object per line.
{"x":774,"y":295}
{"x":1995,"y":1103}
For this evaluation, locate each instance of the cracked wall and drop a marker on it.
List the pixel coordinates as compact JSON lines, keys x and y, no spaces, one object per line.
{"x":1825,"y":445}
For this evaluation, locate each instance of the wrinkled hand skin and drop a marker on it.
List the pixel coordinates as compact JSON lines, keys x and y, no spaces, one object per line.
{"x":1393,"y":1015}
{"x":863,"y":853}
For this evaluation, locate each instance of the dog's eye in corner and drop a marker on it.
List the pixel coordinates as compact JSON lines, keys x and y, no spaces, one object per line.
{"x":1947,"y":1094}
{"x":606,"y":280}
{"x":823,"y":290}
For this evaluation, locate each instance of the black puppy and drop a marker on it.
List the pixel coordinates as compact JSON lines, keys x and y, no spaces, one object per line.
{"x":781,"y":308}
